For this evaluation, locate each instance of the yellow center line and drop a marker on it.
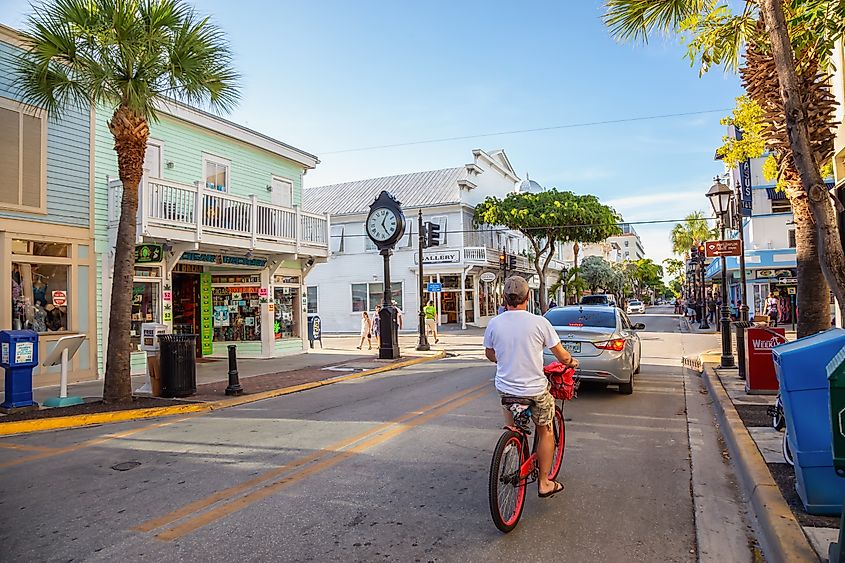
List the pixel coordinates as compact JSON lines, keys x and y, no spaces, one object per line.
{"x":87,"y":444}
{"x":269,"y":489}
{"x":331,"y":449}
{"x":24,"y":447}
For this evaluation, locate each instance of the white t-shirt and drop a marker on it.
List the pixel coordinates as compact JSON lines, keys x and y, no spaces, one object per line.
{"x":519,"y":338}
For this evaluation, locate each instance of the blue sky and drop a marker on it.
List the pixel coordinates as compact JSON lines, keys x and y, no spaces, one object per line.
{"x":332,"y":75}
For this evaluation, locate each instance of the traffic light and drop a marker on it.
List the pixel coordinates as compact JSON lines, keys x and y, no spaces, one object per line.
{"x":512,"y":262}
{"x":503,"y":260}
{"x":694,"y":252}
{"x":701,"y":254}
{"x":432,"y":234}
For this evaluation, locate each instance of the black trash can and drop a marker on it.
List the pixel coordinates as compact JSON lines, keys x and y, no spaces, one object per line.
{"x":740,"y":327}
{"x":178,"y":364}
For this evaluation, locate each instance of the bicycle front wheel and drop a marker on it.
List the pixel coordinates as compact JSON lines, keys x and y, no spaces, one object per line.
{"x":559,"y":428}
{"x":507,"y":490}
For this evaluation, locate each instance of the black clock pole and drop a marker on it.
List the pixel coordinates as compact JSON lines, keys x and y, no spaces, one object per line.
{"x":389,"y":348}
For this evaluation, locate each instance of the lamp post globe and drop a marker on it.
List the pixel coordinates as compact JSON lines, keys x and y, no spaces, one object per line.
{"x":720,"y":195}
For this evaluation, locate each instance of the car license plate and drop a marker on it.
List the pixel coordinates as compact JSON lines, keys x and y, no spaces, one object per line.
{"x":572,"y":347}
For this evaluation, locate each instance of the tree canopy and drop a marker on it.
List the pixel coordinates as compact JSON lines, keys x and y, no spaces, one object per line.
{"x":547,"y":218}
{"x":597,"y":273}
{"x":692,"y":230}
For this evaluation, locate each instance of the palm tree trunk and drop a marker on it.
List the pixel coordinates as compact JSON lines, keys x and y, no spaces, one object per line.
{"x":813,"y":290}
{"x":831,"y":254}
{"x":130,"y":134}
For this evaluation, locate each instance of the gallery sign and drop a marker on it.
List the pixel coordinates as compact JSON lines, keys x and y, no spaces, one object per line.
{"x":440,"y":257}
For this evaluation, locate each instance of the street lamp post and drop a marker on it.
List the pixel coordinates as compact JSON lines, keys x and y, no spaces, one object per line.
{"x":720,"y":197}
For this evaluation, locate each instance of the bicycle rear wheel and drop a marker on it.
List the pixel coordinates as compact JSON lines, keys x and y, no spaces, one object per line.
{"x":507,"y":490}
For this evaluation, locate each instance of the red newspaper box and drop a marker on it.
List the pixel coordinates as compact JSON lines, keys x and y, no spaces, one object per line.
{"x":760,"y":369}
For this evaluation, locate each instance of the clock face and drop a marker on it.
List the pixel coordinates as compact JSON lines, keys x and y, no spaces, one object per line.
{"x":382,"y":224}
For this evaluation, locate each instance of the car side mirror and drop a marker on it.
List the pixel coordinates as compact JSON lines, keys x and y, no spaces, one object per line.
{"x":639,"y":326}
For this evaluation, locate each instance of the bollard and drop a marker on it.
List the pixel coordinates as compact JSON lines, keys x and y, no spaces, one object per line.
{"x":234,"y":387}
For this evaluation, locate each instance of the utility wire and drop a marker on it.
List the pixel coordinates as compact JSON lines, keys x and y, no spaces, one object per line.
{"x":534,"y":130}
{"x":505,"y":229}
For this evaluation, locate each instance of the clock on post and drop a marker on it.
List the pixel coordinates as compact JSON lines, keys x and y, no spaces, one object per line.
{"x":385,"y":226}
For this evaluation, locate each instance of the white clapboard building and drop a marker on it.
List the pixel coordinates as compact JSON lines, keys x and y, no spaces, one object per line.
{"x":466,"y":264}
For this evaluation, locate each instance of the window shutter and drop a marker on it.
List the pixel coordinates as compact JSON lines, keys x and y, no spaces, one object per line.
{"x":9,"y":156}
{"x":31,"y":179}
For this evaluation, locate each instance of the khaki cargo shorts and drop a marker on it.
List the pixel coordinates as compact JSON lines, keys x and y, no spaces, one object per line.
{"x":543,"y":411}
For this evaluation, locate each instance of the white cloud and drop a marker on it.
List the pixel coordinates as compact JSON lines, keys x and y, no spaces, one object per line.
{"x":639,"y":201}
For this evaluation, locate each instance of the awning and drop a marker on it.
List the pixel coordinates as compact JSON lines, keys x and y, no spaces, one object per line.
{"x":774,"y":194}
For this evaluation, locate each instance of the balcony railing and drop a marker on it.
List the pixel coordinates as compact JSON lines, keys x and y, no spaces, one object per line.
{"x":490,"y":257}
{"x":192,"y":213}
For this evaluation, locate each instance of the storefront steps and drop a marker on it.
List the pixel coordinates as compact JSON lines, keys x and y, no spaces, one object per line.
{"x":259,"y":378}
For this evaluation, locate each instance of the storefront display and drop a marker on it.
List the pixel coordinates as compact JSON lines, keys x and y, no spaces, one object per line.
{"x":287,"y":312}
{"x":40,"y":297}
{"x":236,"y":309}
{"x":146,"y":308}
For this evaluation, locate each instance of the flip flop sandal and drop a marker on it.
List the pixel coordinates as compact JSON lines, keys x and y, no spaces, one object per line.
{"x":553,"y":492}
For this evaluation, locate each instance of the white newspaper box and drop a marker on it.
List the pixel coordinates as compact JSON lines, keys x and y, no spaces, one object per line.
{"x":149,"y":336}
{"x":149,"y":344}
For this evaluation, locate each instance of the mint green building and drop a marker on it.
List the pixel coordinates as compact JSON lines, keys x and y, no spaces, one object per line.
{"x":222,"y":243}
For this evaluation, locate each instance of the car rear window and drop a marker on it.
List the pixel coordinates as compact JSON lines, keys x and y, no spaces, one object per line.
{"x":581,"y":317}
{"x":594,"y":300}
{"x":634,"y":302}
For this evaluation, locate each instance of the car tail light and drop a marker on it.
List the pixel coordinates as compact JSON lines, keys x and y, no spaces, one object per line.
{"x":617,"y":344}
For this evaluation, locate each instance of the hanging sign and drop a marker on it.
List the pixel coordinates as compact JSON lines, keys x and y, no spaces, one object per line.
{"x":59,"y":298}
{"x":487,"y":277}
{"x":148,"y":253}
{"x":435,"y":287}
{"x":223,"y":260}
{"x":745,"y":194}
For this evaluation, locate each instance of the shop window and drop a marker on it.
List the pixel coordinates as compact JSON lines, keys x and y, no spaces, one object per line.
{"x":781,"y":206}
{"x":366,"y":296}
{"x":286,"y":316}
{"x":791,"y":234}
{"x":216,"y":173}
{"x":311,"y":299}
{"x":40,"y":299}
{"x":21,"y":158}
{"x":146,"y":308}
{"x":236,"y":314}
{"x":37,"y":248}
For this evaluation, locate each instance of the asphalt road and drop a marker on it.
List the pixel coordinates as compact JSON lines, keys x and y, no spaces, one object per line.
{"x":391,"y":467}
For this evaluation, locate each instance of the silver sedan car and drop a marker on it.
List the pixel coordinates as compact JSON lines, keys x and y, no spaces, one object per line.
{"x":604,"y":341}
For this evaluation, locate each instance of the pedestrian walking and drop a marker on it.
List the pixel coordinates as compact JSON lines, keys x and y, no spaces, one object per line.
{"x":712,"y":306}
{"x":552,"y":304}
{"x":376,"y":324}
{"x":366,"y":329}
{"x":400,"y":316}
{"x":430,"y":320}
{"x":772,"y":308}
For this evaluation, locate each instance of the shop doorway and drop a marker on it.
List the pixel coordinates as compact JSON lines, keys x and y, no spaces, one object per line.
{"x":186,"y":305}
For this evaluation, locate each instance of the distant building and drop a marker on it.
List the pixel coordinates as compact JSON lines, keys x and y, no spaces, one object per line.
{"x":351,"y":282}
{"x":629,"y":243}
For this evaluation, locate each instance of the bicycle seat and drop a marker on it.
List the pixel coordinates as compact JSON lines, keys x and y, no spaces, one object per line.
{"x":517,"y":401}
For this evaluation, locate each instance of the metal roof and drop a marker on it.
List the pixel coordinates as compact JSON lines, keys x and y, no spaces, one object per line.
{"x":417,"y":189}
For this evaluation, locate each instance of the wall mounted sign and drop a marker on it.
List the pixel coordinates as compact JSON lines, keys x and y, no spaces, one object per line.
{"x":440,"y":257}
{"x":745,"y":193}
{"x":262,"y":292}
{"x":222,"y":260}
{"x":167,"y":296}
{"x":148,"y":253}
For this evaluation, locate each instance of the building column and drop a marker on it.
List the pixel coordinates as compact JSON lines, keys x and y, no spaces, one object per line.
{"x":268,"y":308}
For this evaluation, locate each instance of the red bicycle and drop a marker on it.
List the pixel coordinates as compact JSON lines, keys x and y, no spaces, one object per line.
{"x":514,"y":466}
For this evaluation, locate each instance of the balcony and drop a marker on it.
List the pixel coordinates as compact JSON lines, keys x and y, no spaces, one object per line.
{"x":479,"y":255}
{"x":184,"y":213}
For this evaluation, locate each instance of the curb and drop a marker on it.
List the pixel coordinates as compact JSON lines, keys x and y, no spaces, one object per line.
{"x":781,"y":535}
{"x":77,"y":421}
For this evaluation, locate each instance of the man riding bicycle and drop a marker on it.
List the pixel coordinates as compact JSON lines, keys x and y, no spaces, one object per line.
{"x":514,"y":341}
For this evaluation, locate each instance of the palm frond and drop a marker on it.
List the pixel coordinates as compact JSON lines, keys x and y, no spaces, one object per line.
{"x":130,"y":53}
{"x":636,"y":19}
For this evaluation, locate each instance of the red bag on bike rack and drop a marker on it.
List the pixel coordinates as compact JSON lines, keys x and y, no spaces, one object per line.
{"x":562,"y":380}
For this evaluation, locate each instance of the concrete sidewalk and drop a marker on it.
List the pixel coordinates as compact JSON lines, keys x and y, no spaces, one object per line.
{"x":338,"y":356}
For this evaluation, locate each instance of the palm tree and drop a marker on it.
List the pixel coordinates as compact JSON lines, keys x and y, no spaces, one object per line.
{"x":797,"y":39}
{"x":691,"y":231}
{"x":128,"y":57}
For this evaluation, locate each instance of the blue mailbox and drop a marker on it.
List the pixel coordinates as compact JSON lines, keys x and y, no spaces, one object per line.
{"x":18,"y":355}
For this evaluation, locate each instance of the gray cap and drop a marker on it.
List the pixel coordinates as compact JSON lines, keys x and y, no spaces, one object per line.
{"x":518,"y":287}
